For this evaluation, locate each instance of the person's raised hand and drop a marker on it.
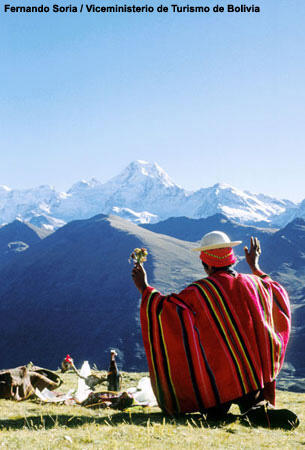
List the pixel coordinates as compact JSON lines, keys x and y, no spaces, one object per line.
{"x":252,"y":255}
{"x":139,"y":277}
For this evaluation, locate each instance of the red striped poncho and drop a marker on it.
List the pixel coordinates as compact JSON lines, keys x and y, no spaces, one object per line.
{"x":219,"y":339}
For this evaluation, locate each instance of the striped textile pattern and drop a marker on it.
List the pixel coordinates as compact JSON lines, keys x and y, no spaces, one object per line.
{"x":219,"y":339}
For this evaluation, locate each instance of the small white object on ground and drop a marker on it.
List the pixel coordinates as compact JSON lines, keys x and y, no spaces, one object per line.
{"x":50,"y":397}
{"x":143,"y":393}
{"x":81,"y":394}
{"x":83,"y":389}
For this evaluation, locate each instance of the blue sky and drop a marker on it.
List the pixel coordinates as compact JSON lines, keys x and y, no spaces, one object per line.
{"x":211,"y":98}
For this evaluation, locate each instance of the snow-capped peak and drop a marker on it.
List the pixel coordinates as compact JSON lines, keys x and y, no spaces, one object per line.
{"x":142,"y":192}
{"x":4,"y":188}
{"x":222,"y":186}
{"x":136,"y":217}
{"x":84,"y":185}
{"x":138,"y":170}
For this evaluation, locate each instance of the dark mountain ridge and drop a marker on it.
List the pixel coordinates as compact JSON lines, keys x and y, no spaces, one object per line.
{"x":72,"y":291}
{"x":16,"y":237}
{"x":192,"y":230}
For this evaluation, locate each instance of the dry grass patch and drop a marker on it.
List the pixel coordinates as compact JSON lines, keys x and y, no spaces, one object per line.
{"x":31,"y":424}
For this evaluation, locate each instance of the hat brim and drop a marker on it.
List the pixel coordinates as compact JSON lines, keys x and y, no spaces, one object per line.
{"x":212,"y":247}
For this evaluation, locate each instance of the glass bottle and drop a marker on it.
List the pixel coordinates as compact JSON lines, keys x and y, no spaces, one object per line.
{"x":113,"y":376}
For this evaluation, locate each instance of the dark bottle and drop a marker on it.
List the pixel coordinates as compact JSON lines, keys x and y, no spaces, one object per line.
{"x":113,"y":376}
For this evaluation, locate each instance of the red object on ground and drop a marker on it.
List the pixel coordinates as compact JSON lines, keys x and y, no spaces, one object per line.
{"x":68,"y":359}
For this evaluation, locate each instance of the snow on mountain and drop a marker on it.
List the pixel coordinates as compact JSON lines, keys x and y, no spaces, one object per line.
{"x":137,"y":171}
{"x":83,"y":200}
{"x":46,"y":222}
{"x":143,"y":193}
{"x":25,"y":203}
{"x":145,"y":186}
{"x":289,"y":214}
{"x":238,"y":205}
{"x":83,"y":185}
{"x":4,"y":188}
{"x":135,"y":217}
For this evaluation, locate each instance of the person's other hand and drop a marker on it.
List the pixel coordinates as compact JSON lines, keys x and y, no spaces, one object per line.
{"x":252,"y":255}
{"x":139,"y":277}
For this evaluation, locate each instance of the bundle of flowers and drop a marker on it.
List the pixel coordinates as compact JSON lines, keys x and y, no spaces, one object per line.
{"x":139,"y":255}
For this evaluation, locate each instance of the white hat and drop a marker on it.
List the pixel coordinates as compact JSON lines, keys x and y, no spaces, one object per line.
{"x":215,"y":239}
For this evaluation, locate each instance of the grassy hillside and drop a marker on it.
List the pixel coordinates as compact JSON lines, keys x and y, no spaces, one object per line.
{"x":73,"y":293}
{"x":30,"y":424}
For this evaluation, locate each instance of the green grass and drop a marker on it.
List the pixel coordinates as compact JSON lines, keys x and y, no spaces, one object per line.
{"x":34,"y":425}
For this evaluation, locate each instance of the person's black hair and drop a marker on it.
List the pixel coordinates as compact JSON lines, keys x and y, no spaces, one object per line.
{"x":215,"y":269}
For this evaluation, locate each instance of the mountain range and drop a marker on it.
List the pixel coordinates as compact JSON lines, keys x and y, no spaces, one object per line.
{"x":142,"y":193}
{"x":65,"y":278}
{"x":71,"y":291}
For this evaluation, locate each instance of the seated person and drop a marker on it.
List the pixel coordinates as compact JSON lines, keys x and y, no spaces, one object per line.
{"x":222,"y":340}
